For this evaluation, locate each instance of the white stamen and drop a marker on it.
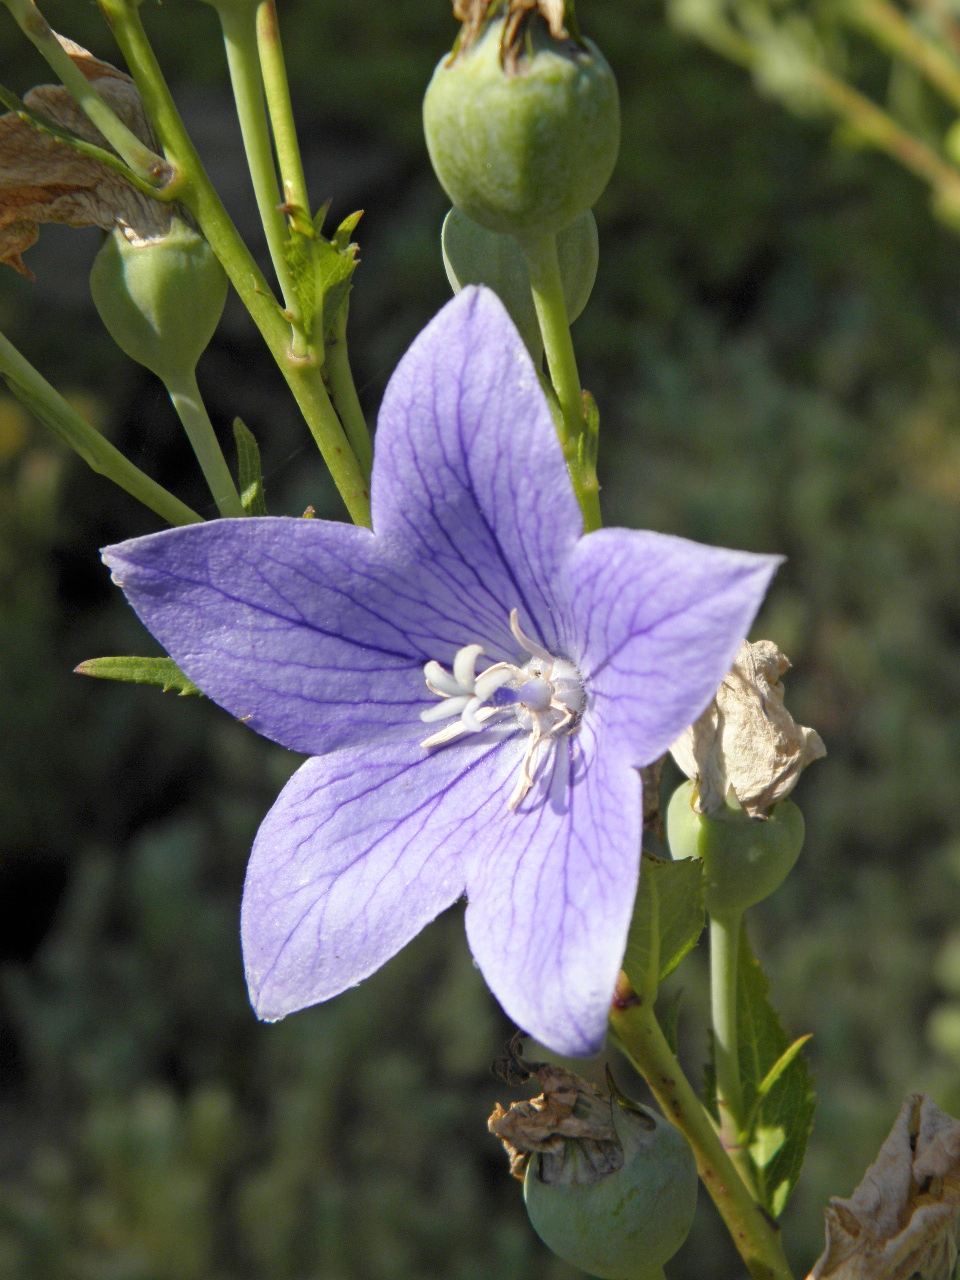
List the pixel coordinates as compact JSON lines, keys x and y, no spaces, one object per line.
{"x":464,"y":664}
{"x":545,"y":700}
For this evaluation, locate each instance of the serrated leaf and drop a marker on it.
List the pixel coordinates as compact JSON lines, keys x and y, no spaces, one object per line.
{"x":162,"y":672}
{"x":777,"y":1087}
{"x":298,"y":255}
{"x":668,"y":918}
{"x":249,"y":473}
{"x":341,"y":237}
{"x":321,"y":270}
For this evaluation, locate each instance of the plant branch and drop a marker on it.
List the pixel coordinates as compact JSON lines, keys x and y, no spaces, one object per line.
{"x":46,"y":404}
{"x":756,"y":1236}
{"x":303,"y":376}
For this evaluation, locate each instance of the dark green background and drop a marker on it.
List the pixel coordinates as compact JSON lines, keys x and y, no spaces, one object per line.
{"x":774,"y":341}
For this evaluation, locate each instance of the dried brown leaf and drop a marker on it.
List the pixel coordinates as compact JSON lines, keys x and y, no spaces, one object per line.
{"x":901,"y":1222}
{"x":45,"y":180}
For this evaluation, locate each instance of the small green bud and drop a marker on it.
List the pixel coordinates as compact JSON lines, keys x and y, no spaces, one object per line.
{"x":609,"y":1185}
{"x":523,"y":139}
{"x":160,"y":299}
{"x":474,"y":255}
{"x":745,"y":859}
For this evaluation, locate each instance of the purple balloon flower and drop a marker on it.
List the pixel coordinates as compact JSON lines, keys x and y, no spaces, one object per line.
{"x":476,"y":682}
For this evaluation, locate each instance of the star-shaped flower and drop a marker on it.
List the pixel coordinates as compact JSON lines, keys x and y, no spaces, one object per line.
{"x":558,"y":664}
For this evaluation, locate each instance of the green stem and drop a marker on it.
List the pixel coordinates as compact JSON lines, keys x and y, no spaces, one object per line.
{"x":280,"y":107}
{"x":540,"y":251}
{"x":344,"y":393}
{"x":144,"y":162}
{"x":724,"y":956}
{"x":756,"y":1236}
{"x":869,"y":120}
{"x":891,"y":28}
{"x":303,"y":376}
{"x":191,"y":411}
{"x":46,"y":404}
{"x":239,"y":24}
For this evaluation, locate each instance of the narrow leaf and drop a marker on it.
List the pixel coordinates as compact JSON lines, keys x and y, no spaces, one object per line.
{"x":162,"y":672}
{"x":668,"y":919}
{"x":778,"y":1092}
{"x":249,"y":473}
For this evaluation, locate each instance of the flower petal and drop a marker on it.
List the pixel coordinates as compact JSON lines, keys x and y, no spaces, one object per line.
{"x":292,"y":625}
{"x":470,"y":478}
{"x":551,"y":891}
{"x":362,"y":849}
{"x":659,"y":622}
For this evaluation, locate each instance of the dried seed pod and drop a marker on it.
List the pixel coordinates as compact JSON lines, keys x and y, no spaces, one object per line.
{"x":609,"y":1186}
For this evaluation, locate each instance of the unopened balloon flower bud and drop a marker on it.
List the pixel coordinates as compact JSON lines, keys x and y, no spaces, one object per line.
{"x":609,"y":1185}
{"x":522,"y":121}
{"x":902,"y":1219}
{"x":746,"y":747}
{"x":161,"y":298}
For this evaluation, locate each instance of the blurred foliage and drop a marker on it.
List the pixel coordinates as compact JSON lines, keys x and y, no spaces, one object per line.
{"x":774,"y":342}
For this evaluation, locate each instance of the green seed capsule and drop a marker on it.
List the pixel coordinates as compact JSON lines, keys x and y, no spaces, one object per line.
{"x":745,"y":859}
{"x":527,"y":147}
{"x":162,"y":299}
{"x":474,"y":255}
{"x":626,"y":1224}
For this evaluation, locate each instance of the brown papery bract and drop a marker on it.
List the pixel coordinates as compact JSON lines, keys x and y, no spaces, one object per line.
{"x":45,"y":180}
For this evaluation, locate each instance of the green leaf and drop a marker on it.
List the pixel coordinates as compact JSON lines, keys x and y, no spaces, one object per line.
{"x":249,"y":474}
{"x":669,"y":1018}
{"x":668,"y":919}
{"x":321,"y":270}
{"x":162,"y":672}
{"x":778,"y":1094}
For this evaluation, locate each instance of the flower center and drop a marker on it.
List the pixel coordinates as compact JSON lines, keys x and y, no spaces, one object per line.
{"x":544,"y":696}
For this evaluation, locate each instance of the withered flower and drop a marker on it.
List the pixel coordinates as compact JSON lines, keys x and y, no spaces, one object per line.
{"x":901,"y":1222}
{"x":746,"y":740}
{"x":43,"y":179}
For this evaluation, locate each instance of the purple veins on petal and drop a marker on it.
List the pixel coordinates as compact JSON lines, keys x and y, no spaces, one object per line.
{"x":476,"y":681}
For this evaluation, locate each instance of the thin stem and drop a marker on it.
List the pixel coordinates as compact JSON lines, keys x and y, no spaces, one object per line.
{"x":344,"y":394}
{"x":239,"y":24}
{"x":885,"y":134}
{"x":152,"y":168}
{"x":191,"y":411}
{"x":46,"y":404}
{"x":892,"y":29}
{"x":540,"y":252}
{"x":281,"y":112}
{"x":756,"y":1237}
{"x":724,"y":956}
{"x":870,"y":121}
{"x":303,"y":376}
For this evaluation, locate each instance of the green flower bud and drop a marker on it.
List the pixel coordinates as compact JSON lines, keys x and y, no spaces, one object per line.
{"x":609,"y":1186}
{"x":160,"y":299}
{"x":745,"y":859}
{"x":474,"y":255}
{"x":523,"y":136}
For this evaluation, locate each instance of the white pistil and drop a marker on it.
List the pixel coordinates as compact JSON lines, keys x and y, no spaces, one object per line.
{"x":545,"y":698}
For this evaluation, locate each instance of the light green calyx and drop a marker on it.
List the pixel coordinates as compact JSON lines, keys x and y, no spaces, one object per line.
{"x":160,"y":299}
